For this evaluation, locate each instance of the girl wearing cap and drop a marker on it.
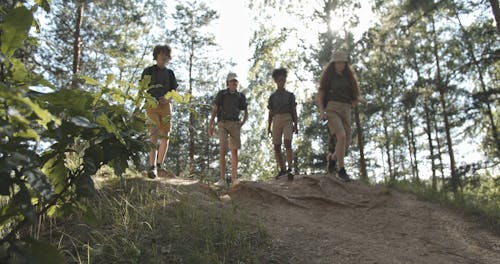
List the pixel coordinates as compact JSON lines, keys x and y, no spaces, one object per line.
{"x":338,"y":92}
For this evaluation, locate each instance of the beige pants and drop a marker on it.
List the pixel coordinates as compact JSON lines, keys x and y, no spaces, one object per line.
{"x":282,"y":127}
{"x":231,"y":130}
{"x":339,"y":118}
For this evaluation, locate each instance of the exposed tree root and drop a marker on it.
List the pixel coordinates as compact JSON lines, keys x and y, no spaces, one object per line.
{"x":322,"y":199}
{"x":315,"y":183}
{"x":338,"y":183}
{"x":261,"y":190}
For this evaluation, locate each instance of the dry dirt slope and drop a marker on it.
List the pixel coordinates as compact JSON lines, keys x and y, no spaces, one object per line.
{"x":318,"y":219}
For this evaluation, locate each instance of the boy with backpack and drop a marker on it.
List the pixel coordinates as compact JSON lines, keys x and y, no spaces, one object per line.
{"x":162,"y":81}
{"x":282,"y":121}
{"x":227,"y":106}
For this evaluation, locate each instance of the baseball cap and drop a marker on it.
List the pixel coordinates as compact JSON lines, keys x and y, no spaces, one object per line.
{"x":339,"y":56}
{"x":231,"y":76}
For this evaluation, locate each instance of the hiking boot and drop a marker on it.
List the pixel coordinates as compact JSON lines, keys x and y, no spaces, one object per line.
{"x":152,"y":172}
{"x":289,"y":174}
{"x":220,"y":183}
{"x":343,"y":175}
{"x":330,"y":164}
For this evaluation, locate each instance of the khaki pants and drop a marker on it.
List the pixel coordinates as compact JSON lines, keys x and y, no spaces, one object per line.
{"x":282,"y":127}
{"x":339,"y":118}
{"x":231,"y":130}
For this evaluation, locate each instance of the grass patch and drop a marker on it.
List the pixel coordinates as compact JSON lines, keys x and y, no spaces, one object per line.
{"x":486,"y":208}
{"x":155,"y":223}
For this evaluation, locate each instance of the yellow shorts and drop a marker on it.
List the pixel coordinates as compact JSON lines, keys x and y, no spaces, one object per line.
{"x":159,"y":118}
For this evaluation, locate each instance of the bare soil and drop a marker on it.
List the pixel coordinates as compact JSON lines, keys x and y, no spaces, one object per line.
{"x":319,"y":219}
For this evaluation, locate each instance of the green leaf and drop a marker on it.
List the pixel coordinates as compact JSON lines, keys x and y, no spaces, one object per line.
{"x":109,"y":78}
{"x":90,"y":80}
{"x":175,"y":96}
{"x":56,"y":171}
{"x":104,"y":121}
{"x":40,"y":183}
{"x":28,"y":134}
{"x":19,"y":73}
{"x":15,"y":28}
{"x":83,"y":122}
{"x":44,"y":115}
{"x":45,"y":4}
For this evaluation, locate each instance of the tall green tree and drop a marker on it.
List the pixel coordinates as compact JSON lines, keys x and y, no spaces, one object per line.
{"x":194,"y":42}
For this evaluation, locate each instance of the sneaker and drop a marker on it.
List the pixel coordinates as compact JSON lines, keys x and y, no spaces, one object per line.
{"x":152,"y":172}
{"x":235,"y":182}
{"x":220,"y":183}
{"x":289,"y":174}
{"x":330,"y":164}
{"x":343,"y":175}
{"x":281,"y":173}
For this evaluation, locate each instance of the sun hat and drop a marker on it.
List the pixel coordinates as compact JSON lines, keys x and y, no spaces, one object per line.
{"x":339,"y":56}
{"x":231,"y":76}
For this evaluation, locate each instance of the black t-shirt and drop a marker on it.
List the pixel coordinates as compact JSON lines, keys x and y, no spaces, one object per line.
{"x":340,"y":89}
{"x":162,"y":80}
{"x":229,"y":105}
{"x":281,"y":101}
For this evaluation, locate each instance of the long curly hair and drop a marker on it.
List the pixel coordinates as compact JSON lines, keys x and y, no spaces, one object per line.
{"x":326,"y":78}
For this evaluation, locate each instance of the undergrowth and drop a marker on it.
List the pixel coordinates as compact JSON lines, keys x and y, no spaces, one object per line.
{"x":148,"y":222}
{"x":471,"y":201}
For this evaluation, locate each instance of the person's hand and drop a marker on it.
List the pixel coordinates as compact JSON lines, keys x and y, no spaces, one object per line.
{"x":163,"y":100}
{"x":295,"y":128}
{"x":322,"y":115}
{"x":210,"y":129}
{"x":359,"y":100}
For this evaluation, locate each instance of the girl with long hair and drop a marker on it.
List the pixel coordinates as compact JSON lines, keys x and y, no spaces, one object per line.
{"x":338,"y":92}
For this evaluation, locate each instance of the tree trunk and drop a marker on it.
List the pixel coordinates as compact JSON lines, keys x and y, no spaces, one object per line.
{"x":438,"y":147}
{"x":362,"y":161}
{"x":388,"y":146}
{"x":440,"y":87}
{"x":428,"y":131}
{"x":496,"y":13}
{"x":414,"y":147}
{"x":191,"y":114}
{"x":77,"y":42}
{"x":409,"y":140}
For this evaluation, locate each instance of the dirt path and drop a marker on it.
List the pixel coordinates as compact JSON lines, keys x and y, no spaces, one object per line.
{"x":318,"y":219}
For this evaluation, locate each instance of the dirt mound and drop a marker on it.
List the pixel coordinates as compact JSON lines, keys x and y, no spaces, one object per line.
{"x":319,"y":219}
{"x":310,"y":191}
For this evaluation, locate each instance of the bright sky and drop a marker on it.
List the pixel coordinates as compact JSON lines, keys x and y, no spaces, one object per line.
{"x":234,"y":29}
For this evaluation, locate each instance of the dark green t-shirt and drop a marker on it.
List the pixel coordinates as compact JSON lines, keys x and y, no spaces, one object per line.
{"x":340,"y":89}
{"x":229,"y":105}
{"x":281,"y":101}
{"x":162,"y":80}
